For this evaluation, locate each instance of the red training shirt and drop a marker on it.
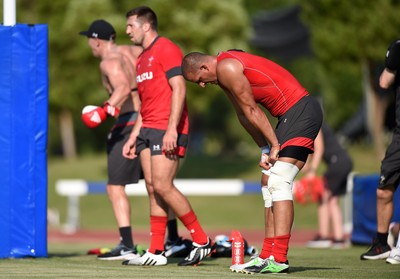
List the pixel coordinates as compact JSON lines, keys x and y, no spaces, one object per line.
{"x":273,"y":86}
{"x":159,"y":62}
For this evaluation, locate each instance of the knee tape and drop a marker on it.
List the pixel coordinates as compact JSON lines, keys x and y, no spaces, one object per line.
{"x":266,"y":196}
{"x":280,"y":181}
{"x":266,"y":172}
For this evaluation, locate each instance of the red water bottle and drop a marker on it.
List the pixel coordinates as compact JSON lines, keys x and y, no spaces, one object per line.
{"x":237,"y":248}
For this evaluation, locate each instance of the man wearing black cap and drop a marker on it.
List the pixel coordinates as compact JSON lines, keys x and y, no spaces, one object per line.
{"x":100,"y":29}
{"x":117,"y":67}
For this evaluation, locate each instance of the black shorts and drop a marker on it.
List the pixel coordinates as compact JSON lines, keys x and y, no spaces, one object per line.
{"x":121,"y":171}
{"x":153,"y":139}
{"x":338,"y":169}
{"x":298,"y":127}
{"x":390,"y":167}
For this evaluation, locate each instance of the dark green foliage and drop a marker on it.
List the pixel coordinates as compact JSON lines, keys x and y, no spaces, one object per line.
{"x":345,"y":36}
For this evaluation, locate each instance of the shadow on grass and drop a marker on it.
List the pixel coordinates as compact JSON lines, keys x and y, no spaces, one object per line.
{"x":206,"y":261}
{"x":63,"y":255}
{"x":294,"y":269}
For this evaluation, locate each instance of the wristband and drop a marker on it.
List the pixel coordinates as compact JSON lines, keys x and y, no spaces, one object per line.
{"x":111,"y":110}
{"x":265,"y":149}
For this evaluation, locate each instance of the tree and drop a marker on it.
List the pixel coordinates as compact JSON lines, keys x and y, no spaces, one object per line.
{"x":74,"y":75}
{"x":350,"y":40}
{"x":345,"y":36}
{"x":73,"y":72}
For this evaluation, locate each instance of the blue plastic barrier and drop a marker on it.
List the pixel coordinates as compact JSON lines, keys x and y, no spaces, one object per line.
{"x":23,"y":140}
{"x":364,"y":208}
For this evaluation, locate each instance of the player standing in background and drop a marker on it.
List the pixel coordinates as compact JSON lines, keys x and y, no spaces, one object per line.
{"x":338,"y":167}
{"x":117,"y":67}
{"x":390,"y":168}
{"x":249,"y":80}
{"x":160,"y":136}
{"x":118,"y":74}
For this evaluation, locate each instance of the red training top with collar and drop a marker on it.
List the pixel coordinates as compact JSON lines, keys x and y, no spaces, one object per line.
{"x":273,"y":86}
{"x":158,"y":63}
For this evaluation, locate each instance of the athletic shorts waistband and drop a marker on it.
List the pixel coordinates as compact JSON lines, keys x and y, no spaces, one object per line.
{"x":126,"y":119}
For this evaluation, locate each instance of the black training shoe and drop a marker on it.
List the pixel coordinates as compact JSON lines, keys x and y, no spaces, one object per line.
{"x":120,"y":252}
{"x":178,"y":248}
{"x":377,"y":251}
{"x":198,"y":253}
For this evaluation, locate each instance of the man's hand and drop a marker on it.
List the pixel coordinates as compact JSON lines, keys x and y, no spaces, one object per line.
{"x":129,"y":149}
{"x":93,"y":116}
{"x":268,"y":159}
{"x":170,"y":142}
{"x":274,"y":154}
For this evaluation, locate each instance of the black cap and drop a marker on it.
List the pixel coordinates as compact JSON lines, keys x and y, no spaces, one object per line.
{"x":100,"y":29}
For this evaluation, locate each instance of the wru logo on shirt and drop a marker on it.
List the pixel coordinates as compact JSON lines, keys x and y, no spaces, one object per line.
{"x":144,"y":76}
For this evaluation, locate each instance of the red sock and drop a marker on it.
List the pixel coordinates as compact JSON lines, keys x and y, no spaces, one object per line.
{"x":281,"y":247}
{"x":267,"y":248}
{"x":192,"y":224}
{"x":158,"y":225}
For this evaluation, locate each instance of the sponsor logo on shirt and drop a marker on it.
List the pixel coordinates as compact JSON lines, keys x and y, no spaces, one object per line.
{"x":144,"y":76}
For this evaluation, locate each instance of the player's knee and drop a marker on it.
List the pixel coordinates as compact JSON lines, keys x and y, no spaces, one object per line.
{"x":384,"y":194}
{"x":280,"y":182}
{"x":266,"y":196}
{"x":115,"y":191}
{"x":149,"y":187}
{"x":264,"y":177}
{"x":158,"y":188}
{"x":162,"y":187}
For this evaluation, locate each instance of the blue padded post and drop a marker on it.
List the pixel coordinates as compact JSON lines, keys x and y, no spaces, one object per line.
{"x":23,"y":140}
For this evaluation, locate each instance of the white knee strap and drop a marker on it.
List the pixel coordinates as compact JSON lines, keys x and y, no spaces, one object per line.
{"x":266,"y":196}
{"x":280,"y":181}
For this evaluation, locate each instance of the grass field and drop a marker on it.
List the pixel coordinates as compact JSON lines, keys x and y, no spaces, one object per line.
{"x":68,"y":261}
{"x":225,"y":213}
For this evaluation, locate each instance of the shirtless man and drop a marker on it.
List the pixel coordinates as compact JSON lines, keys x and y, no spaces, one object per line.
{"x":117,"y":68}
